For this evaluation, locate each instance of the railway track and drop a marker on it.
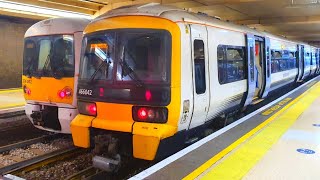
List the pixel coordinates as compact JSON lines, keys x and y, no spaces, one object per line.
{"x":10,"y":114}
{"x":28,"y":142}
{"x":25,"y":153}
{"x":43,"y":160}
{"x":87,"y":173}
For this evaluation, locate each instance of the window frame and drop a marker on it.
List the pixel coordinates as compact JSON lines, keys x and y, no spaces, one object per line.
{"x":204,"y":89}
{"x":225,"y":48}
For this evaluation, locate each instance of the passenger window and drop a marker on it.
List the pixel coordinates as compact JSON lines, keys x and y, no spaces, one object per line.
{"x":282,"y":61}
{"x":199,"y":66}
{"x":231,"y":65}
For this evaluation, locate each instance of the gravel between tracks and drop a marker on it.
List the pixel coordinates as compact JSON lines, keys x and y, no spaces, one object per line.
{"x":20,"y":154}
{"x":60,"y":170}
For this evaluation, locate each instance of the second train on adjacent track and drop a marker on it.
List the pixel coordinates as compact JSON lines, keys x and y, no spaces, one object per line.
{"x":50,"y":67}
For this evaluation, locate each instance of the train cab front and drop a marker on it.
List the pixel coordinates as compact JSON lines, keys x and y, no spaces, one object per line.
{"x":48,"y":82}
{"x":128,"y":91}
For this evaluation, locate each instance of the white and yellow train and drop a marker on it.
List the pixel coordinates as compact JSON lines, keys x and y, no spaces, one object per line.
{"x":153,"y":77}
{"x":50,"y":72}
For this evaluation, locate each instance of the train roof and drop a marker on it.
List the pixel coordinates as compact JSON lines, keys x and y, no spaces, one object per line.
{"x":179,"y":15}
{"x":57,"y":26}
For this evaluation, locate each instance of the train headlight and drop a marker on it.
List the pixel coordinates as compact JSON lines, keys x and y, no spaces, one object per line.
{"x":150,"y":114}
{"x":87,"y":108}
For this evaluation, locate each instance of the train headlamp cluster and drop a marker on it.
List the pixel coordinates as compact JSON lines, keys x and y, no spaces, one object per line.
{"x":150,"y":114}
{"x":26,"y":90}
{"x":87,"y":108}
{"x":65,"y":93}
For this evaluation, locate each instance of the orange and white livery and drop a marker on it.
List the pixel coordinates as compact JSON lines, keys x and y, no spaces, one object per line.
{"x":50,"y":71}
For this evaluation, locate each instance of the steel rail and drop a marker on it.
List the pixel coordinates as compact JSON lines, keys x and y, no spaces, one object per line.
{"x":40,"y":161}
{"x":90,"y":171}
{"x":9,"y":113}
{"x":28,"y":142}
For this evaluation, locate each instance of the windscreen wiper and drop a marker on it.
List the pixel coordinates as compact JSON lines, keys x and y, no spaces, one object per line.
{"x":106,"y":62}
{"x":28,"y":71}
{"x":126,"y":70}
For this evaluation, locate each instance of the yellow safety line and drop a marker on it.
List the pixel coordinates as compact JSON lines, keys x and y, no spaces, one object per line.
{"x":234,"y":145}
{"x":13,"y":105}
{"x":3,"y":91}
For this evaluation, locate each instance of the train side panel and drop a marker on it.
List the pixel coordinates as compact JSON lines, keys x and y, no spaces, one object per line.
{"x":227,"y":92}
{"x":283,"y":63}
{"x":186,"y":75}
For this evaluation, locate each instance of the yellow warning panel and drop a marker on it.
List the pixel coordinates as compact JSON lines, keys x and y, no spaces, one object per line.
{"x":11,"y":98}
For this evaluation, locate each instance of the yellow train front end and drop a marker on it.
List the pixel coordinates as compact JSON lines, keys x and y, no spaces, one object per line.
{"x":129,"y":87}
{"x":48,"y":81}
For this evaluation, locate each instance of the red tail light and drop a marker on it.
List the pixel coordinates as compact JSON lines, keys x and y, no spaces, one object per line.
{"x":87,"y":108}
{"x":26,"y":90}
{"x":142,"y":113}
{"x":62,"y":94}
{"x":65,"y":93}
{"x":150,"y":114}
{"x":92,"y":109}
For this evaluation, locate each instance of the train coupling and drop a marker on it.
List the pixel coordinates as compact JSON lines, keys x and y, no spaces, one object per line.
{"x":36,"y":115}
{"x":106,"y":152}
{"x":37,"y":118}
{"x":107,"y":164}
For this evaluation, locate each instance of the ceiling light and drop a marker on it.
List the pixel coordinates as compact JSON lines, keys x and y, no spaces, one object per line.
{"x":38,"y":10}
{"x":310,"y":4}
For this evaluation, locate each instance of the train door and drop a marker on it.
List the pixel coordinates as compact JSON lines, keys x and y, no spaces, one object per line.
{"x":251,"y":72}
{"x":267,"y":68}
{"x":317,"y":60}
{"x":200,"y":72}
{"x":302,"y":55}
{"x":299,"y":62}
{"x":259,"y":66}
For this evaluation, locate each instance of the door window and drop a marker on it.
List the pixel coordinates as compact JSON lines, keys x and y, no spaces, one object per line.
{"x":199,"y":66}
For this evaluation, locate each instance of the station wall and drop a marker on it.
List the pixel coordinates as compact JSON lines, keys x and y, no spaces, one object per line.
{"x":11,"y":51}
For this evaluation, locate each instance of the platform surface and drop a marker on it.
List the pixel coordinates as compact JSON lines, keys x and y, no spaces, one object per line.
{"x":278,"y":141}
{"x":286,"y":148}
{"x":11,"y":98}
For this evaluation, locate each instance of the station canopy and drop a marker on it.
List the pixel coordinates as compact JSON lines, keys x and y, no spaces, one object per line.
{"x":294,"y":19}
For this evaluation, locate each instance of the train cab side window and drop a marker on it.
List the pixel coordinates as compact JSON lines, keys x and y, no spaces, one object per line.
{"x":230,"y":63}
{"x":199,"y":66}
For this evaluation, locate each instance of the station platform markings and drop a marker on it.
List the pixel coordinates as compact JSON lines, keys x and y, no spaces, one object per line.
{"x":11,"y":98}
{"x":251,"y":148}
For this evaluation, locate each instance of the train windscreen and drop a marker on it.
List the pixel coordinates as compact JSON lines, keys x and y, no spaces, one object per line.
{"x":127,"y":56}
{"x":49,"y":56}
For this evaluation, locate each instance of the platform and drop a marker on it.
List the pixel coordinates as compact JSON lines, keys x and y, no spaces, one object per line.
{"x":279,"y":141}
{"x":11,"y":99}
